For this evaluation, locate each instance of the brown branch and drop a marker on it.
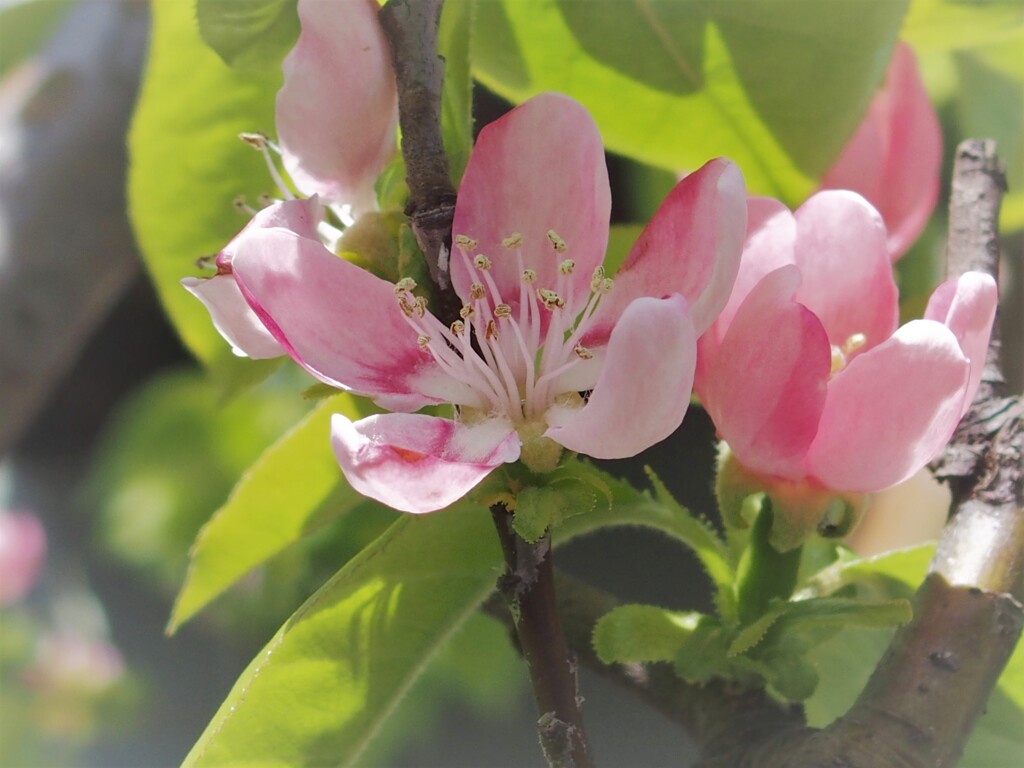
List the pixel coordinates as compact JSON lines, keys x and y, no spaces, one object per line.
{"x":528,"y":587}
{"x":411,"y":29}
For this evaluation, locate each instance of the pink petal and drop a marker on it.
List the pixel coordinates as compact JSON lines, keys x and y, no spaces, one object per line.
{"x":233,"y":318}
{"x":301,"y":216}
{"x":967,"y":306}
{"x":337,"y":110}
{"x":765,"y":386}
{"x":891,"y":410}
{"x":339,"y":322}
{"x":847,"y":275}
{"x":643,"y":390}
{"x":417,"y":463}
{"x":895,"y":156}
{"x":22,"y":550}
{"x":540,"y":167}
{"x":692,"y":247}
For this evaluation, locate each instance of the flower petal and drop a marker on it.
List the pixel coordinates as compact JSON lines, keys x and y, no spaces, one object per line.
{"x":22,"y":551}
{"x":339,"y":322}
{"x":967,"y":306}
{"x":847,"y":274}
{"x":895,"y":156}
{"x":301,"y":216}
{"x":644,"y":387}
{"x":337,"y":110}
{"x":418,"y":463}
{"x":692,"y":247}
{"x":891,"y":410}
{"x":765,"y":385}
{"x":233,"y":318}
{"x":540,"y":167}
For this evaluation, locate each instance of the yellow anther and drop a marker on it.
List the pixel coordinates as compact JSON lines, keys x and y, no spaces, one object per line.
{"x":567,"y":266}
{"x":855,"y":342}
{"x":465,"y":311}
{"x":513,"y":241}
{"x":477,"y":291}
{"x":482,"y":262}
{"x":254,"y":139}
{"x":465,"y":242}
{"x":405,"y":285}
{"x":838,"y":360}
{"x":597,"y":279}
{"x":605,"y":287}
{"x":503,"y":310}
{"x":420,"y":306}
{"x":556,"y":242}
{"x":582,"y":352}
{"x":458,"y":328}
{"x":407,"y":309}
{"x":492,"y":332}
{"x":423,"y":342}
{"x":529,"y":276}
{"x":550,"y":299}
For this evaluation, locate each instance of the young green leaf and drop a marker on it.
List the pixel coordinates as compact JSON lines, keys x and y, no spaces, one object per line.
{"x":544,"y":507}
{"x":249,"y":34}
{"x":277,"y":502}
{"x":764,"y":573}
{"x":637,"y":633}
{"x":454,"y":36}
{"x":324,"y":684}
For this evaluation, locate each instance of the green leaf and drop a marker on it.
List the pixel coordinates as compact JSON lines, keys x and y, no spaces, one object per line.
{"x":893,"y":574}
{"x":944,"y":25}
{"x":778,"y":87}
{"x":249,"y":34}
{"x":454,"y":36}
{"x":187,"y":165}
{"x":333,"y":673}
{"x":278,"y":500}
{"x":26,"y":26}
{"x":702,"y":655}
{"x":621,"y":238}
{"x":544,"y":507}
{"x":638,"y":633}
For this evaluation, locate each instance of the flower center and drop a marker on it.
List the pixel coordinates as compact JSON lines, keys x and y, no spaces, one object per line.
{"x":841,"y":354}
{"x":500,"y":346}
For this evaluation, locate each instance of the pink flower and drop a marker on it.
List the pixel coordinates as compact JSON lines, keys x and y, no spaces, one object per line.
{"x":895,"y":156}
{"x":336,"y":117}
{"x":541,"y":323}
{"x":805,"y":373}
{"x":22,"y":549}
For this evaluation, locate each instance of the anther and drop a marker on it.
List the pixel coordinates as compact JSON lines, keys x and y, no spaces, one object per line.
{"x":465,"y":242}
{"x":405,"y":285}
{"x":855,"y":342}
{"x":605,"y":287}
{"x":423,"y":342}
{"x":491,"y":334}
{"x":466,"y":311}
{"x":477,"y":291}
{"x":556,"y":242}
{"x":513,"y":241}
{"x":503,"y":310}
{"x":550,"y":299}
{"x":582,"y":352}
{"x":566,"y":267}
{"x":264,"y":200}
{"x":420,"y":306}
{"x":838,"y":360}
{"x":529,"y":276}
{"x":458,"y":328}
{"x":597,"y":279}
{"x":255,"y":139}
{"x":240,"y":204}
{"x":405,"y":306}
{"x":482,"y":262}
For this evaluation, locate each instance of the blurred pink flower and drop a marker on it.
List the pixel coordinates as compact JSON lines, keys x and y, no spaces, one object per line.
{"x":336,"y":116}
{"x":805,"y":373}
{"x":22,"y":549}
{"x":541,"y":321}
{"x":895,"y":156}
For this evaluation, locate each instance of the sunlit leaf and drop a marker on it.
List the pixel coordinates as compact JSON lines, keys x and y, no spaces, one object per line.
{"x":639,"y":633}
{"x":778,"y":87}
{"x":280,"y":499}
{"x":332,"y":674}
{"x":943,"y":25}
{"x":454,"y":37}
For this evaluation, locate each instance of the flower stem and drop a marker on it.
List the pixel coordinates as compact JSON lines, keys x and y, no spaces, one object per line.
{"x":528,"y":586}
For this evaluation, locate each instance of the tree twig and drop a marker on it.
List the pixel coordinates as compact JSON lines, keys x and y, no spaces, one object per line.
{"x":411,"y":29}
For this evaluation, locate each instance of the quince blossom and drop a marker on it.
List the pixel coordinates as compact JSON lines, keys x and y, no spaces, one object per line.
{"x":895,"y":156}
{"x":805,"y":373}
{"x":540,"y":324}
{"x":336,"y":133}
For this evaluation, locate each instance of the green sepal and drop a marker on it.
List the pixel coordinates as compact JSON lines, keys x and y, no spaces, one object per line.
{"x":249,"y":34}
{"x":641,"y":633}
{"x":566,"y":493}
{"x":764,"y":573}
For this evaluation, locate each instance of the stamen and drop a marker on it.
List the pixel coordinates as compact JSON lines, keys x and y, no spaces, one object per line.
{"x":407,"y":309}
{"x":529,"y":276}
{"x":503,"y":311}
{"x":597,"y":279}
{"x":491,"y":334}
{"x":255,"y":139}
{"x":582,"y":352}
{"x":423,"y":342}
{"x":550,"y":299}
{"x":242,"y":206}
{"x":420,"y":306}
{"x":405,"y":285}
{"x":481,"y":262}
{"x":838,"y":360}
{"x":477,"y":291}
{"x":556,"y":242}
{"x":465,"y":311}
{"x":855,"y":342}
{"x":264,"y":200}
{"x":513,"y":241}
{"x":458,"y":328}
{"x":566,"y":267}
{"x":465,"y":242}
